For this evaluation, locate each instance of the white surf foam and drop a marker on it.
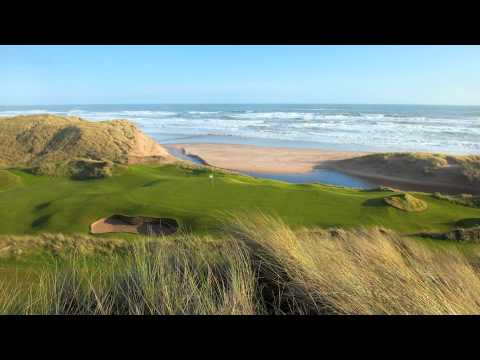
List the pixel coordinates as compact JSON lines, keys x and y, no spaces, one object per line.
{"x":388,"y":130}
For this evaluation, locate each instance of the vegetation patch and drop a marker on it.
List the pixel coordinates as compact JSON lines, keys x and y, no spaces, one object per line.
{"x":77,"y":169}
{"x":461,"y":199}
{"x":471,"y":234}
{"x":398,"y":162}
{"x":471,"y":169}
{"x":468,"y":223}
{"x":406,"y":202}
{"x":257,"y":265}
{"x":382,"y":188}
{"x":8,"y":180}
{"x":90,"y":169}
{"x":440,"y":169}
{"x":59,"y":245}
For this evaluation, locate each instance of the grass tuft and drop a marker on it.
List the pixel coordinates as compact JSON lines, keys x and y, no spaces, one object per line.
{"x":362,"y":271}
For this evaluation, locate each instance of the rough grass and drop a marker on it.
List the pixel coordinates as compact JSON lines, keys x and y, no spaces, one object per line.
{"x":462,"y":199}
{"x":12,"y":246}
{"x":470,"y":234}
{"x":406,"y":202}
{"x":261,"y":266}
{"x":8,"y":180}
{"x":359,"y":272}
{"x":437,"y":168}
{"x":77,"y":169}
{"x":470,"y":167}
{"x":468,"y":223}
{"x":162,"y":277}
{"x":47,"y":139}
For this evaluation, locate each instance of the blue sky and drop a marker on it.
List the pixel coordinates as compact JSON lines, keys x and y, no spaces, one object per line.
{"x":36,"y":75}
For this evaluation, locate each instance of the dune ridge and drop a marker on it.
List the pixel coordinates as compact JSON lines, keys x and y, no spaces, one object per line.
{"x":36,"y":139}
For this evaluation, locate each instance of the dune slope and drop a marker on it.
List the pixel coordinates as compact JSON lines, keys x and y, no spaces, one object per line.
{"x":37,"y":139}
{"x":457,"y":172}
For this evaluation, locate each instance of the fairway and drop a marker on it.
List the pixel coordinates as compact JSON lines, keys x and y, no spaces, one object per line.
{"x":8,"y":180}
{"x":36,"y":204}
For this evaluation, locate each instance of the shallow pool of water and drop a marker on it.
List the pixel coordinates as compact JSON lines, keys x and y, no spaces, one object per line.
{"x":324,"y":176}
{"x":180,"y":154}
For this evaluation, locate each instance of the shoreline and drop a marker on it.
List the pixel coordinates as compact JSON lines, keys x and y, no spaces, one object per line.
{"x":259,"y":159}
{"x":291,"y":161}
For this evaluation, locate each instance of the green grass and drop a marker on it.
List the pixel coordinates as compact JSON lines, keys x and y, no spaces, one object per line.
{"x":8,"y":180}
{"x":62,"y":205}
{"x":256,"y":265}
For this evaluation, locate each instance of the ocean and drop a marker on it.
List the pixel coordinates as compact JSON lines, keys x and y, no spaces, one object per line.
{"x":446,"y":129}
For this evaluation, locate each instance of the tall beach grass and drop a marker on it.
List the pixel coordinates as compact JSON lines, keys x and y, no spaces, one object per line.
{"x":258,"y":265}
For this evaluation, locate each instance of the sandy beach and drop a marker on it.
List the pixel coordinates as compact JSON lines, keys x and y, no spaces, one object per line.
{"x":250,"y":158}
{"x":277,"y":160}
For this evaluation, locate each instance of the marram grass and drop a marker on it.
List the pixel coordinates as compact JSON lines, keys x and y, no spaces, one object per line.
{"x":260,"y":266}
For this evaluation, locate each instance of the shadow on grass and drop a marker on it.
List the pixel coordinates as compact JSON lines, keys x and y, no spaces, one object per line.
{"x":198,"y":171}
{"x":468,"y":223}
{"x":42,"y":206}
{"x":190,"y":223}
{"x":152,"y":183}
{"x":377,"y":202}
{"x":41,"y":221}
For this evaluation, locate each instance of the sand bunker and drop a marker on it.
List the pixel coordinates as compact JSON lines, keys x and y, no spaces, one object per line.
{"x":134,"y":225}
{"x":406,"y":202}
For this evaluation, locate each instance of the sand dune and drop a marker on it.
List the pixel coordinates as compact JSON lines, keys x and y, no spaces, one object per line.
{"x":38,"y":139}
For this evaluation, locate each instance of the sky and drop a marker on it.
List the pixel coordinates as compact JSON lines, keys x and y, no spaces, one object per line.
{"x":49,"y":75}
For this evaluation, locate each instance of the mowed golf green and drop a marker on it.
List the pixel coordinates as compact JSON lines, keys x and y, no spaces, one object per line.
{"x":33,"y":204}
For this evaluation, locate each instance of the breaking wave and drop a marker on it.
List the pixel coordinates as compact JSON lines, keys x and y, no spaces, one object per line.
{"x":409,"y":128}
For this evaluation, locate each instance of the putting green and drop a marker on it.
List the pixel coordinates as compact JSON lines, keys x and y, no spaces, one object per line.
{"x":199,"y":203}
